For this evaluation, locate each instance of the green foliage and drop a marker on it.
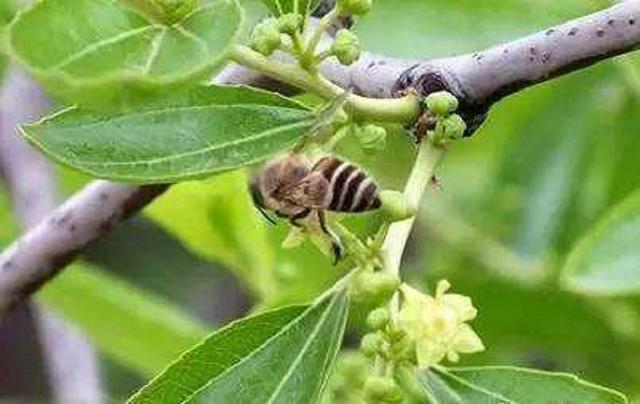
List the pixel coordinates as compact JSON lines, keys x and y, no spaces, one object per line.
{"x":7,"y":11}
{"x":607,"y":259}
{"x":180,"y":136}
{"x":136,"y":328}
{"x":97,"y":49}
{"x":273,"y":353}
{"x":214,"y":219}
{"x":508,"y":384}
{"x":281,"y":7}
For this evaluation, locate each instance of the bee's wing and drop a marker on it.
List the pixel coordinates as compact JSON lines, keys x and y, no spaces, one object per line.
{"x":312,"y":192}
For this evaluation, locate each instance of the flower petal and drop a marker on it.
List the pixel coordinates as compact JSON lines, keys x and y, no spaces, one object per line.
{"x":462,"y":306}
{"x":466,"y":340}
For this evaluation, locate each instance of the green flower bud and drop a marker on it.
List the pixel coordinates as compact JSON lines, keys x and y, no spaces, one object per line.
{"x":378,"y":319}
{"x":382,"y":389}
{"x":375,"y":288}
{"x":454,"y":126}
{"x":371,"y":344}
{"x":346,"y":47}
{"x":373,"y":138}
{"x":290,"y":23}
{"x":265,"y":37}
{"x":354,"y":7}
{"x":441,"y":103}
{"x":395,"y":205}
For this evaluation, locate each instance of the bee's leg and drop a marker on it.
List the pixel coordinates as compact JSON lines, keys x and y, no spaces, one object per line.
{"x":266,"y":216}
{"x":299,"y":216}
{"x":336,"y":245}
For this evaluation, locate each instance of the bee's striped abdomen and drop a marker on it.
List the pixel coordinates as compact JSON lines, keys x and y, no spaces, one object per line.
{"x":351,"y":189}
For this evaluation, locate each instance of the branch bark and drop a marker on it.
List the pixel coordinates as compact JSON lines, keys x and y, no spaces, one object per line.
{"x":72,"y":365}
{"x":478,"y":80}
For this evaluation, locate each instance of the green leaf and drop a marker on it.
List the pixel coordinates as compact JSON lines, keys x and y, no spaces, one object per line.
{"x":607,"y":259}
{"x":512,"y":385}
{"x":280,"y":7}
{"x":136,"y":328}
{"x":215,"y":219}
{"x":7,"y":11}
{"x":95,"y":49}
{"x":187,"y":135}
{"x":282,"y":356}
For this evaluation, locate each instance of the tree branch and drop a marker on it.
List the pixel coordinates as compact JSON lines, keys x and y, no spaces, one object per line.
{"x":482,"y":78}
{"x":72,"y":365}
{"x":478,"y":80}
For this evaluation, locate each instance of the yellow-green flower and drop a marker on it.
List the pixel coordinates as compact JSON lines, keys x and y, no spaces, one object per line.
{"x":437,"y":325}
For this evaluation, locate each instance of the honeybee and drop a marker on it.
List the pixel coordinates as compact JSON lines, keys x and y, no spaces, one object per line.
{"x":294,"y":189}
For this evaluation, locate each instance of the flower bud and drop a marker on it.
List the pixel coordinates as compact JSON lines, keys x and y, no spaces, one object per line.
{"x":375,"y":288}
{"x":441,"y":103}
{"x":354,"y":7}
{"x":395,"y":205}
{"x":378,"y":319}
{"x":290,"y":23}
{"x":382,"y":389}
{"x":371,"y":344}
{"x":454,"y":126}
{"x":265,"y":37}
{"x":373,"y":138}
{"x":346,"y":47}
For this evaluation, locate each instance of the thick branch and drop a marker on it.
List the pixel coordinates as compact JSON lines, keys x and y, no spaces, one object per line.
{"x":478,"y":80}
{"x":72,"y":364}
{"x":56,"y":241}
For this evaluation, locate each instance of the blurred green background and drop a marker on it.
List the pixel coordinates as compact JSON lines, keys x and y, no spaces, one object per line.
{"x":516,"y":198}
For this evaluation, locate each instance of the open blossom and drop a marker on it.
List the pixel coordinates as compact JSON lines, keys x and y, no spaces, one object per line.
{"x":437,"y":325}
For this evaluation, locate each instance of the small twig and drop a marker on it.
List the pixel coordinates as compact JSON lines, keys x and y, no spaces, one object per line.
{"x":428,"y":160}
{"x":71,"y":362}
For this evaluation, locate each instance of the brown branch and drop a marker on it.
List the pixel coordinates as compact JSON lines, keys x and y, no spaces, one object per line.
{"x":478,"y":80}
{"x":72,"y":364}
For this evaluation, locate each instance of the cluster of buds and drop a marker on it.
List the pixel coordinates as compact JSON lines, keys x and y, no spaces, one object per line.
{"x":449,"y":125}
{"x":346,"y":47}
{"x":266,"y":36}
{"x":437,"y":325}
{"x":387,"y":343}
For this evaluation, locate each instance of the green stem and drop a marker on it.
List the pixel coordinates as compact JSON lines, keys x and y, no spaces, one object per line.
{"x":403,"y":110}
{"x":428,"y":160}
{"x":323,"y":25}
